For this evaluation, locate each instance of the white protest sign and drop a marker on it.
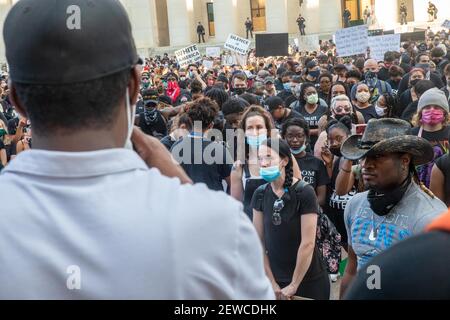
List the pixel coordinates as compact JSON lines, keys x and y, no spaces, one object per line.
{"x":208,"y":64}
{"x":352,"y":41}
{"x":296,"y":42}
{"x":188,"y":55}
{"x":308,"y":43}
{"x":237,"y":44}
{"x":379,"y":45}
{"x":446,"y":24}
{"x":213,"y":52}
{"x":234,"y":58}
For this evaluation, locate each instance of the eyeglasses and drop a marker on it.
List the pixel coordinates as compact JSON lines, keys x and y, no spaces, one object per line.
{"x":276,"y":216}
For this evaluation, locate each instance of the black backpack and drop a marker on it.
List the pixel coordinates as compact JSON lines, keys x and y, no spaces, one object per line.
{"x":328,"y":239}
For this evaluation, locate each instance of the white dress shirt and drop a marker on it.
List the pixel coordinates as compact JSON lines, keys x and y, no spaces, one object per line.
{"x":101,"y":225}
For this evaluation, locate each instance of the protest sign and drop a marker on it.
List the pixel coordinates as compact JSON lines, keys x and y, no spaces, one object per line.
{"x":213,"y":52}
{"x":352,"y":41}
{"x":272,"y":44}
{"x":237,"y":44}
{"x":379,"y":45}
{"x":208,"y":64}
{"x":188,"y":55}
{"x":309,"y":43}
{"x":446,"y":24}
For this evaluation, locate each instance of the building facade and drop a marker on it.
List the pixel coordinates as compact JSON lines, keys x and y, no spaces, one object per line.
{"x":162,"y":23}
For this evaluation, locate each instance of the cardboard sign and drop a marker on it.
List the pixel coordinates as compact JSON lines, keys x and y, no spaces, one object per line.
{"x":213,"y":52}
{"x":352,"y":41}
{"x":188,"y":56}
{"x":413,"y":36}
{"x":237,"y":44}
{"x":309,"y":43}
{"x":208,"y":64}
{"x":379,"y":45}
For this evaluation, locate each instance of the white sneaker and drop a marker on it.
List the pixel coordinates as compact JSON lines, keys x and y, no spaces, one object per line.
{"x":334,"y":277}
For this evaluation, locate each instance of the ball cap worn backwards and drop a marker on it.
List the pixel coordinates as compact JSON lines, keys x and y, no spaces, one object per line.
{"x":64,"y":42}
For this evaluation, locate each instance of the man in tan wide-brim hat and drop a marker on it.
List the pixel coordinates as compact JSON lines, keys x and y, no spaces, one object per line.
{"x":395,"y":206}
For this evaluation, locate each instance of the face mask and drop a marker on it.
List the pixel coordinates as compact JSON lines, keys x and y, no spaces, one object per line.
{"x":270,"y":174}
{"x":371,"y":78}
{"x":2,"y":132}
{"x":432,"y":116}
{"x":383,"y":203}
{"x":314,"y":74}
{"x":338,"y":117}
{"x":131,"y":113}
{"x":298,"y":151}
{"x":239,"y":91}
{"x":312,"y":99}
{"x":336,"y":151}
{"x":363,"y":97}
{"x":414,"y":82}
{"x":380,"y":111}
{"x":287,"y":86}
{"x":182,"y":78}
{"x":255,"y":142}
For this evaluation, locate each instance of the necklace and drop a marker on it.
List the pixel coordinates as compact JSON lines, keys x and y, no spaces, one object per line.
{"x":374,"y":232}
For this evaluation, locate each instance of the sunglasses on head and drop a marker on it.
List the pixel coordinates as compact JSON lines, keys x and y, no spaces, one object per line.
{"x":276,"y":216}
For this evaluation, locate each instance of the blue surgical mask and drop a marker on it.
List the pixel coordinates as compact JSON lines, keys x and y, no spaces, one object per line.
{"x":256,"y":141}
{"x":287,"y":86}
{"x":270,"y":174}
{"x":298,"y":151}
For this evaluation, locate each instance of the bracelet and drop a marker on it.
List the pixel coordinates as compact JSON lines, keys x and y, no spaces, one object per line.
{"x":346,"y":171}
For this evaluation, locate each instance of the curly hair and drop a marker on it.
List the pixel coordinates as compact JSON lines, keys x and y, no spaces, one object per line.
{"x":203,"y":110}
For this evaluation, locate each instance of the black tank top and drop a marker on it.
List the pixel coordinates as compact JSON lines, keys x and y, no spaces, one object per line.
{"x":250,"y":186}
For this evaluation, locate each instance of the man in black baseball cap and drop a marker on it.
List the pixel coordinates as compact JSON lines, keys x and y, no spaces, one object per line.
{"x":82,"y":216}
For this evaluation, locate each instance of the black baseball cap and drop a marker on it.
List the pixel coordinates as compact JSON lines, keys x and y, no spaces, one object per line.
{"x":273,"y":103}
{"x":150,"y":96}
{"x":67,"y":41}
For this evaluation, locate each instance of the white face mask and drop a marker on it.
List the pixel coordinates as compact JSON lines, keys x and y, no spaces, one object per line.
{"x":131,"y":114}
{"x":380,"y":111}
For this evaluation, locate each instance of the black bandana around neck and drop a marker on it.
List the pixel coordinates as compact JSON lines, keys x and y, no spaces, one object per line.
{"x":383,"y":203}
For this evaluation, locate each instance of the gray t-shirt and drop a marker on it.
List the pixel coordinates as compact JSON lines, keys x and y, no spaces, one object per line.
{"x":410,"y":217}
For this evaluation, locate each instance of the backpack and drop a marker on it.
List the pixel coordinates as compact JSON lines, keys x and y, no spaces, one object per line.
{"x":328,"y":239}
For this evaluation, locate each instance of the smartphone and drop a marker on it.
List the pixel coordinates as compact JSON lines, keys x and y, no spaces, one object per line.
{"x":361,"y":128}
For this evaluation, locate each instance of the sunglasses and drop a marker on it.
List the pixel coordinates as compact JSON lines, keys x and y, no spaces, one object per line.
{"x":276,"y":216}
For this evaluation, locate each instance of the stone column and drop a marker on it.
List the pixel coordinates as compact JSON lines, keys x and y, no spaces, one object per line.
{"x":226,"y":19}
{"x":277,"y":16}
{"x":182,"y":27}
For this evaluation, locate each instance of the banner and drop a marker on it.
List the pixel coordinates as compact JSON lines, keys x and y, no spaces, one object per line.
{"x":309,"y":43}
{"x":213,"y":52}
{"x":237,"y":44}
{"x":188,"y":56}
{"x":379,"y":45}
{"x":352,"y":41}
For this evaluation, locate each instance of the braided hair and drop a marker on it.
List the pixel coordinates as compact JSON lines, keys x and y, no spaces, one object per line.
{"x":282,"y":148}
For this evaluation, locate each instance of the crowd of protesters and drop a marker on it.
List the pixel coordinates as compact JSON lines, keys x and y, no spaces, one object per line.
{"x":352,"y":151}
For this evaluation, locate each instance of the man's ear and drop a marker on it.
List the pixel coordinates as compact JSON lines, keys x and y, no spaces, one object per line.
{"x":134,"y":84}
{"x":18,"y":106}
{"x":406,"y":159}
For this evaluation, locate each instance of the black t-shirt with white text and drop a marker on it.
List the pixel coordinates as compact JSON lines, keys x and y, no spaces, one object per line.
{"x":313,"y":171}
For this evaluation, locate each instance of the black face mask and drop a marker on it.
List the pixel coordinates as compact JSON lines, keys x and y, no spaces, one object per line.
{"x":239,"y":91}
{"x":383,"y":203}
{"x":414,"y":82}
{"x":336,"y":151}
